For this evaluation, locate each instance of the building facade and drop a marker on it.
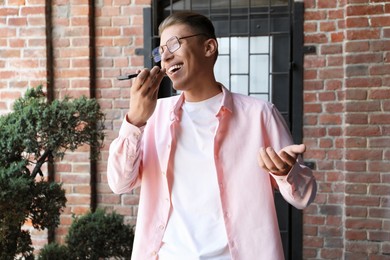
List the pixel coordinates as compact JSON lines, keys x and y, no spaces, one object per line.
{"x":337,"y":79}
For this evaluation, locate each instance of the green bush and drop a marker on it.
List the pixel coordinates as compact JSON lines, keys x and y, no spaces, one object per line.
{"x":37,"y":132}
{"x":99,"y":235}
{"x":54,"y":251}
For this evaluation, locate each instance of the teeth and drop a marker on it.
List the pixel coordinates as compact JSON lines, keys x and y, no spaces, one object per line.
{"x":174,"y":67}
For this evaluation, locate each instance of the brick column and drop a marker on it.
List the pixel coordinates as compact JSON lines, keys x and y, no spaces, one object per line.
{"x":324,"y":127}
{"x":119,"y":33}
{"x":367,"y":119}
{"x":347,"y":88}
{"x":72,"y":61}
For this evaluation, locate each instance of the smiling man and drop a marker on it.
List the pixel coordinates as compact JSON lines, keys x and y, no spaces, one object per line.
{"x":208,"y":161}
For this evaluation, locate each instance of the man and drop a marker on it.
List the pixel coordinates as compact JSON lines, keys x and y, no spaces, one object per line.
{"x":207,"y":161}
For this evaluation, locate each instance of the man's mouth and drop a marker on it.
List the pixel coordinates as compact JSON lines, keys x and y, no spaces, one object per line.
{"x":174,"y":68}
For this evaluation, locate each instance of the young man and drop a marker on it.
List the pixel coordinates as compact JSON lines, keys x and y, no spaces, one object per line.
{"x":207,"y":161}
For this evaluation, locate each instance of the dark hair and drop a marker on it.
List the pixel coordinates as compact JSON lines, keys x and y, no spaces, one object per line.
{"x":199,"y":23}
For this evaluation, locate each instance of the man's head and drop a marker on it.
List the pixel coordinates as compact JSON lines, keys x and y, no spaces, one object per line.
{"x":188,"y":49}
{"x":198,"y":23}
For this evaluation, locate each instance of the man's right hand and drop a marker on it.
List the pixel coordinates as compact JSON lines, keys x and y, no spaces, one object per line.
{"x":143,"y":95}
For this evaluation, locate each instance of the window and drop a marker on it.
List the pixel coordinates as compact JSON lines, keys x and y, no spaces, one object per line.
{"x":248,"y":74}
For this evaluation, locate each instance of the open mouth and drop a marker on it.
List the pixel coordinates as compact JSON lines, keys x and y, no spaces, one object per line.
{"x":173,"y":69}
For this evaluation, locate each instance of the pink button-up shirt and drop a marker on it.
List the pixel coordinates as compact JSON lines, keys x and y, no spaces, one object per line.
{"x":144,"y":156}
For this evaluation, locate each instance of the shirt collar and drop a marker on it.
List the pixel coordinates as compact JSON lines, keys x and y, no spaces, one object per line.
{"x":226,"y":104}
{"x":227,"y":100}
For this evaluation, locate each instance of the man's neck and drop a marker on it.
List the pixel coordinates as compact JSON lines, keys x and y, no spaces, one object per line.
{"x":200,"y":94}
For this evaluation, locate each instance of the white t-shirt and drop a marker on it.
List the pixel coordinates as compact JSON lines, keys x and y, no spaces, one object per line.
{"x":196,"y":228}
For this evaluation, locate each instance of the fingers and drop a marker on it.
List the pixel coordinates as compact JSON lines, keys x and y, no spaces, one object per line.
{"x":295,"y":149}
{"x":280,"y":164}
{"x":289,"y":160}
{"x":149,"y":80}
{"x":270,"y":161}
{"x":156,"y":77}
{"x":143,"y":95}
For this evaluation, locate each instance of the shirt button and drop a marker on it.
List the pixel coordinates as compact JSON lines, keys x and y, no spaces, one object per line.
{"x":161,"y":227}
{"x":154,"y":253}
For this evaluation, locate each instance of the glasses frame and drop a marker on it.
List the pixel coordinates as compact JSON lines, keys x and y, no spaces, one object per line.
{"x":158,"y":51}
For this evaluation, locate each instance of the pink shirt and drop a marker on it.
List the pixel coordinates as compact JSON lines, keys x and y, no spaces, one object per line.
{"x":144,"y":156}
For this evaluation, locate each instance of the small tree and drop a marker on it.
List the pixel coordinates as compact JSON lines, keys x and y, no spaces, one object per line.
{"x":36,"y":132}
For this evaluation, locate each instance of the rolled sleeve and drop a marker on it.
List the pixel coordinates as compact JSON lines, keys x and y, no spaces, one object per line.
{"x":298,"y":187}
{"x":123,"y":166}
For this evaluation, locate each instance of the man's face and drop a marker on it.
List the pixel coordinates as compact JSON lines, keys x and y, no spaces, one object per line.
{"x":184,"y":66}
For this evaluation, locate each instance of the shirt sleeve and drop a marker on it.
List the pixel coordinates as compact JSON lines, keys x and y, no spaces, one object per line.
{"x":124,"y":159}
{"x":299,"y":186}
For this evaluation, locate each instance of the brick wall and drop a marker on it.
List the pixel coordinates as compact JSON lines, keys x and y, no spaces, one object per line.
{"x":22,"y":45}
{"x":346,"y":115}
{"x":119,"y":32}
{"x":346,"y":107}
{"x":22,"y":58}
{"x":71,"y":62}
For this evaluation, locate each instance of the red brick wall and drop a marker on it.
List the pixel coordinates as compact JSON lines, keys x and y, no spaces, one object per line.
{"x":71,"y":38}
{"x":346,"y":108}
{"x":22,"y":58}
{"x":119,"y":32}
{"x":22,"y":45}
{"x":346,"y":115}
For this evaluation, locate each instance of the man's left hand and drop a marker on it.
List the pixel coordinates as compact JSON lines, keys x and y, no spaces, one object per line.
{"x":280,"y":163}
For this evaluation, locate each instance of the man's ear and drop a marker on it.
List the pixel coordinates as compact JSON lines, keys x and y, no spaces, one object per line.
{"x":211,"y":47}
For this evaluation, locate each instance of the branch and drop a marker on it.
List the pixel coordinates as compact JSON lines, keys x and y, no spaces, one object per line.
{"x":40,"y":162}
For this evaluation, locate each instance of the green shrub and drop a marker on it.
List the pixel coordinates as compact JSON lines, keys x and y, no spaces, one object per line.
{"x":54,"y":251}
{"x":37,"y":132}
{"x":99,"y":235}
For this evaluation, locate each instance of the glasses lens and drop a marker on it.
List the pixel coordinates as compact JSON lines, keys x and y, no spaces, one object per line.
{"x":156,"y":54}
{"x":173,"y":44}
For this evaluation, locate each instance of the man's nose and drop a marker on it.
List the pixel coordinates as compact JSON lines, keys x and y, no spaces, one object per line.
{"x":166,"y":55}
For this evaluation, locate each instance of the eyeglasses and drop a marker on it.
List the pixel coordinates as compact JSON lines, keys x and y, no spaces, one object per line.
{"x":172,"y":44}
